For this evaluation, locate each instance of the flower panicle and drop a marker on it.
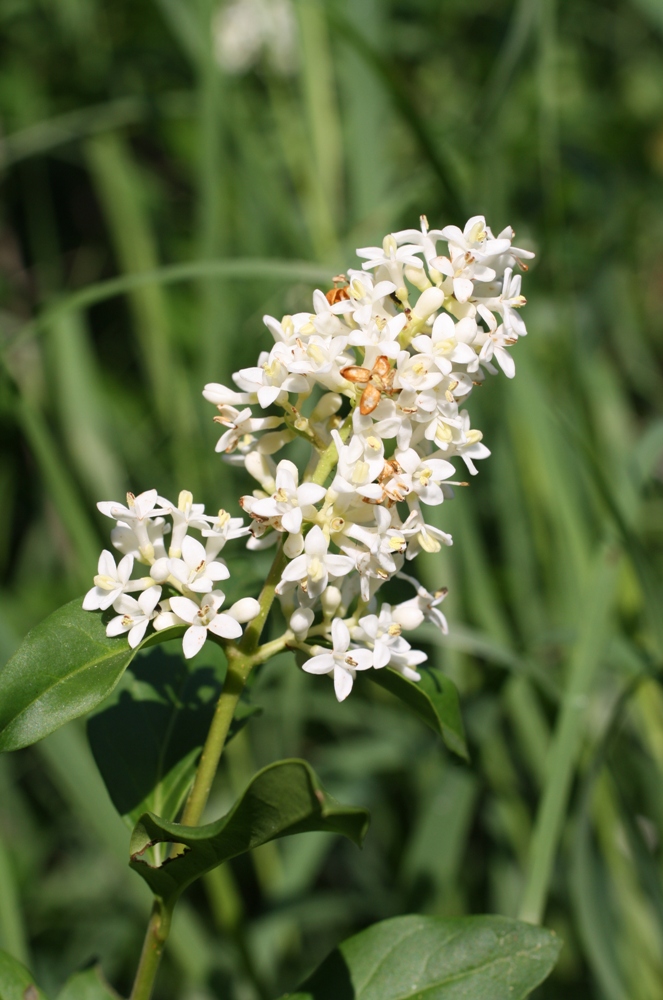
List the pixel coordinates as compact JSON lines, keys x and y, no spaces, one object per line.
{"x":374,"y":378}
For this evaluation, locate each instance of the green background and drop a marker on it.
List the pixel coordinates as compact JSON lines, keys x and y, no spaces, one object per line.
{"x":125,"y":149}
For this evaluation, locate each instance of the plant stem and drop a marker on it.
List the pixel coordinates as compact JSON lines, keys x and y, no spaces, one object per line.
{"x":238,"y":671}
{"x":155,"y":939}
{"x":568,"y":735}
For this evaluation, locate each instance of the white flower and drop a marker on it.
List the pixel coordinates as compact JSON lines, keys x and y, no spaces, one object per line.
{"x":136,"y":515}
{"x":289,"y":499}
{"x":110,"y":582}
{"x":186,"y":515}
{"x":313,"y":568}
{"x":221,"y":395}
{"x":359,"y":462}
{"x":342,"y":661}
{"x":367,"y":298}
{"x":410,"y":614}
{"x":424,"y":237}
{"x":134,"y":616}
{"x":425,"y":537}
{"x":271,"y":379}
{"x":384,"y":634}
{"x":404,"y":661}
{"x":202,"y":618}
{"x":475,"y":239}
{"x":424,"y":475}
{"x":417,"y":372}
{"x":449,"y":343}
{"x":127,"y":540}
{"x":380,"y":333}
{"x":390,"y":253}
{"x":470,"y":447}
{"x":241,"y":427}
{"x":221,"y":530}
{"x":194,"y":571}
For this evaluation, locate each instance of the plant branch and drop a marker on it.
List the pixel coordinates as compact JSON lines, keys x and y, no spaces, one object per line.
{"x":155,"y":939}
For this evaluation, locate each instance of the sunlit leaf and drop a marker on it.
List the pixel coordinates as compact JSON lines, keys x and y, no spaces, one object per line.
{"x":64,"y":668}
{"x":282,"y":799}
{"x":464,"y":958}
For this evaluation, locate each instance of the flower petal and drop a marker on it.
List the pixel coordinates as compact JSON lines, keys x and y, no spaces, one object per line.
{"x":193,"y":639}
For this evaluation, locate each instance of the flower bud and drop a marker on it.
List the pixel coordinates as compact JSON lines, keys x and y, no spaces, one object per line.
{"x":417,"y":277}
{"x":160,"y":570}
{"x":327,"y":406}
{"x":429,"y":302}
{"x":300,"y":622}
{"x":330,"y":600}
{"x":244,"y":610}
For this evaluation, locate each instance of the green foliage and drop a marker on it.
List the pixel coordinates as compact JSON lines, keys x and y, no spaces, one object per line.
{"x":16,"y":983}
{"x":65,"y":667}
{"x":485,"y":958}
{"x":547,"y":116}
{"x":88,"y":985}
{"x":283,"y":799}
{"x":147,"y":738}
{"x":434,"y":699}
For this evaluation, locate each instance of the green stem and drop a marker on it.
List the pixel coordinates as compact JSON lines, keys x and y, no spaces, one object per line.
{"x":238,"y":671}
{"x":155,"y":939}
{"x":568,"y":736}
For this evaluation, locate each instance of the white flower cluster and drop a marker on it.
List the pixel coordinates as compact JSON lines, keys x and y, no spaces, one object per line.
{"x":188,"y":568}
{"x":378,"y":371}
{"x":379,"y":380}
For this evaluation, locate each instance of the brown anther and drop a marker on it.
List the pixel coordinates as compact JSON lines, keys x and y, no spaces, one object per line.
{"x":379,"y":379}
{"x":339,"y":291}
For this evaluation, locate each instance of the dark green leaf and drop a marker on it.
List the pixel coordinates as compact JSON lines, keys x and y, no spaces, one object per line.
{"x":147,"y":741}
{"x":465,"y":958}
{"x":435,"y":700}
{"x":64,"y":668}
{"x":88,"y":985}
{"x":282,"y":799}
{"x":16,"y":983}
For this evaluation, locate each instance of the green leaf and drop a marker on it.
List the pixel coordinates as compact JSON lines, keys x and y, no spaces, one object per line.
{"x":88,"y":985}
{"x":464,"y":958}
{"x":64,"y":668}
{"x":146,"y":742}
{"x":282,"y":799}
{"x":434,"y":699}
{"x":16,"y":983}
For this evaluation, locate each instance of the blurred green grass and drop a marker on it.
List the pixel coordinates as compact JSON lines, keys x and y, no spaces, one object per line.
{"x":125,"y":150}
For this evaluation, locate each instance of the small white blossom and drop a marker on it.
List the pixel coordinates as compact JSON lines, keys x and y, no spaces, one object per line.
{"x":134,"y":616}
{"x":110,"y":582}
{"x":203,"y":618}
{"x":194,"y":571}
{"x":314,"y":567}
{"x":342,"y":661}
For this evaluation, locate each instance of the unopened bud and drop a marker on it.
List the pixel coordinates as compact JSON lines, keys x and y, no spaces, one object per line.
{"x":417,"y":276}
{"x":429,"y":302}
{"x":300,"y":622}
{"x":184,"y":501}
{"x":244,"y":610}
{"x":326,"y":407}
{"x":330,"y":600}
{"x":160,"y":570}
